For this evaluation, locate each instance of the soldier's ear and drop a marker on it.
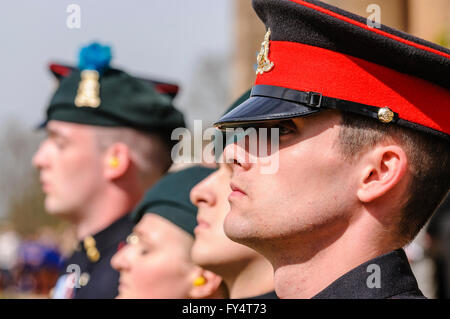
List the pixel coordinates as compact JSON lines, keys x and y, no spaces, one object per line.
{"x":117,"y":161}
{"x":207,"y":285}
{"x":384,"y":174}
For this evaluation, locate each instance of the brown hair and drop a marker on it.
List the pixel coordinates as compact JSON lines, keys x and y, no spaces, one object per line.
{"x":148,"y":151}
{"x":429,"y":165}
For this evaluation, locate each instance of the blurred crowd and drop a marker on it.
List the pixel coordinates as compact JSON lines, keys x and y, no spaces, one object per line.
{"x":30,"y":265}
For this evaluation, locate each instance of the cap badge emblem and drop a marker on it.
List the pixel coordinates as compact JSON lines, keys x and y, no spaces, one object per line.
{"x":88,"y":90}
{"x":263,"y":62}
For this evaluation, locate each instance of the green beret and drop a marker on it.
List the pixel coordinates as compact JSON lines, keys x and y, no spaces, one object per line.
{"x":96,"y":94}
{"x":169,"y":198}
{"x":221,"y":135}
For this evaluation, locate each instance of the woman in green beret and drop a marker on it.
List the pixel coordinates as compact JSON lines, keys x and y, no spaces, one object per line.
{"x":156,"y":262}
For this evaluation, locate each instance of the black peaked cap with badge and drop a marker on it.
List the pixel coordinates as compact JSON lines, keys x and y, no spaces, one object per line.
{"x":170,"y":198}
{"x":316,"y":56}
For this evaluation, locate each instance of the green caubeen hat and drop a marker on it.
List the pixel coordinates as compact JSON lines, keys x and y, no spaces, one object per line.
{"x":96,"y":94}
{"x":170,"y":198}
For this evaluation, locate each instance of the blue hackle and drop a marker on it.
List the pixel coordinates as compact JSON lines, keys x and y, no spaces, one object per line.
{"x":95,"y":57}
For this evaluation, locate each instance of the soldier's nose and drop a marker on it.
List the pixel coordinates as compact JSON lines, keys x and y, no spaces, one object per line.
{"x":237,"y":156}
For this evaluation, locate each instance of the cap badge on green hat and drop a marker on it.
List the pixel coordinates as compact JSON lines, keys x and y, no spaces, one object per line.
{"x":88,"y":93}
{"x":263,"y":62}
{"x":93,"y":60}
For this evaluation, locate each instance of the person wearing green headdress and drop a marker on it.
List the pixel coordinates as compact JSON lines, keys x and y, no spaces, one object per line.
{"x":108,"y":140}
{"x":156,"y":262}
{"x":246,"y":273}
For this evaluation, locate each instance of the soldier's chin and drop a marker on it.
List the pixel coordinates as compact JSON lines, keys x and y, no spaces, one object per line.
{"x":204,"y":256}
{"x":240,"y":229}
{"x":122,"y":296}
{"x":56,"y":207}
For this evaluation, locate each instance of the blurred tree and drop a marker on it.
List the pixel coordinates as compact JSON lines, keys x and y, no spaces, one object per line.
{"x":210,"y":90}
{"x":22,"y":198}
{"x":26,"y":210}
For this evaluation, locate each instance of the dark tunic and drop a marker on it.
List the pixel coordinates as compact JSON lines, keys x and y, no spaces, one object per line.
{"x":102,"y":279}
{"x":439,"y":230}
{"x":396,"y":280}
{"x":269,"y":295}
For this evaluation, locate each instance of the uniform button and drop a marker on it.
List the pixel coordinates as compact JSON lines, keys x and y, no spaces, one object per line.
{"x":84,"y":279}
{"x":93,"y":254}
{"x":385,"y":115}
{"x":89,"y":242}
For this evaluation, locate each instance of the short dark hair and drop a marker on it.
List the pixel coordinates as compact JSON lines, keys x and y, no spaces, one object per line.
{"x":150,"y":152}
{"x":429,"y":165}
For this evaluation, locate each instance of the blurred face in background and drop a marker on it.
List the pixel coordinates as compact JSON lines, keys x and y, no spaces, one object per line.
{"x":71,"y":167}
{"x":156,"y":261}
{"x":212,"y":249}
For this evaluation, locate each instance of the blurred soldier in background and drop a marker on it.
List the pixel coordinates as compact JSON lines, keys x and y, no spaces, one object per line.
{"x":246,"y":273}
{"x":156,"y":262}
{"x":108,"y":141}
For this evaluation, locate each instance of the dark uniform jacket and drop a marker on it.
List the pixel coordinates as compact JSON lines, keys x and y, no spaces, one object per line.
{"x":385,"y":277}
{"x":269,"y":295}
{"x":97,"y":279}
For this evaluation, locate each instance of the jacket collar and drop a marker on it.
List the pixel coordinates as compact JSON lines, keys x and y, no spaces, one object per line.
{"x":396,"y":278}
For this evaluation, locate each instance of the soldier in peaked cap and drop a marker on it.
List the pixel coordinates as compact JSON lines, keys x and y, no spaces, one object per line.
{"x":108,"y":141}
{"x":363,"y":116}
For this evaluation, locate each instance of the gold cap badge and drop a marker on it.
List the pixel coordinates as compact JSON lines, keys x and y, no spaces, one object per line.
{"x":385,"y":115}
{"x":88,"y":94}
{"x":263,"y":62}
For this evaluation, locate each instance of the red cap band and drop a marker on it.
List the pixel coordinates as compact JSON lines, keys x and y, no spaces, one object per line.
{"x":308,"y":68}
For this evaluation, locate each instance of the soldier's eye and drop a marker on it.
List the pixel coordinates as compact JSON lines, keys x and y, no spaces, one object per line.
{"x":59,"y":142}
{"x":285,"y":130}
{"x":286,"y":127}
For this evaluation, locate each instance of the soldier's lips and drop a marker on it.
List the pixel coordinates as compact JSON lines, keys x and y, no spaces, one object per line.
{"x":45,"y":186}
{"x":201,"y":224}
{"x":236,"y":191}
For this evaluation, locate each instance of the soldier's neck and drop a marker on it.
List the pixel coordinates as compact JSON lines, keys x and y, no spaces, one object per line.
{"x":250,"y":279}
{"x":308,"y":267}
{"x":104,"y":211}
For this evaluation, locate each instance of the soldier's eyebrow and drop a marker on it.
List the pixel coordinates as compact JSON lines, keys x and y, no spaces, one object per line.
{"x":141,"y":236}
{"x":54,"y":133}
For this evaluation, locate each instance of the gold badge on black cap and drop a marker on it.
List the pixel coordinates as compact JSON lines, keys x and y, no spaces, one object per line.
{"x":264,"y":64}
{"x":88,"y":94}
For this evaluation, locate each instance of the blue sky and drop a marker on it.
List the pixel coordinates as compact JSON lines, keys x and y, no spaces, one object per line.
{"x":161,"y":39}
{"x":164,"y":39}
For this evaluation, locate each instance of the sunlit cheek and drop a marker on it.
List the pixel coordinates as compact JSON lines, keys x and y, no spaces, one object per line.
{"x":165,"y":278}
{"x":79,"y":177}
